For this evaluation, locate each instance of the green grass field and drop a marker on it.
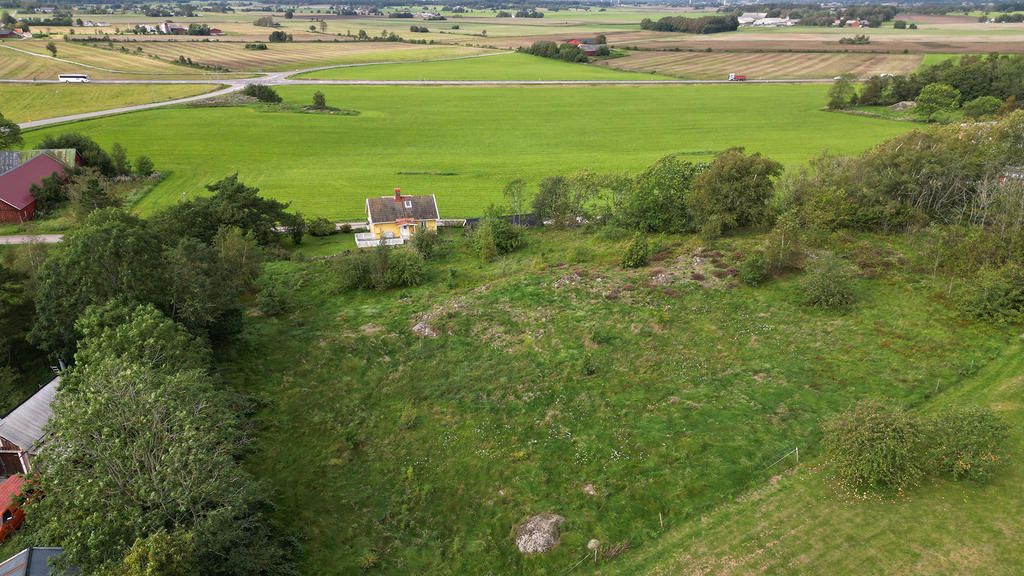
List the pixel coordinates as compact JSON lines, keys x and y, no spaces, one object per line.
{"x":498,"y":67}
{"x":21,"y":102}
{"x":420,"y":455}
{"x":465,"y":143}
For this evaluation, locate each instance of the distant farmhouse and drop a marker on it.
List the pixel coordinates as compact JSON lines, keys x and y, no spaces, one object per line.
{"x":394,"y":219}
{"x":588,"y":45}
{"x":21,"y":170}
{"x":21,"y":431}
{"x":15,"y":33}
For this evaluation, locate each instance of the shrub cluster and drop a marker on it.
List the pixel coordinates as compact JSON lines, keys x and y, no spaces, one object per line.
{"x":380,"y":268}
{"x":321,"y":227}
{"x":882,"y":448}
{"x":262,"y":92}
{"x":828,"y":284}
{"x":563,"y":52}
{"x":637,"y":254}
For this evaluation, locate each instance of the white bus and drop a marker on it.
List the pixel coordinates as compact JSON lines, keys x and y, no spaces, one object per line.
{"x":73,"y":77}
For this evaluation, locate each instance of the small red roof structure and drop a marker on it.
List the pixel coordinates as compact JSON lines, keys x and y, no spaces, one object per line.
{"x":16,"y":201}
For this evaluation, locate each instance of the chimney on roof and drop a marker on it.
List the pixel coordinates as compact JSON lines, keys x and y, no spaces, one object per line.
{"x":398,"y":194}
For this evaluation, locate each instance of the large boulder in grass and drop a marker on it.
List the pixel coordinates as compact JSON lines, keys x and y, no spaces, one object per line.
{"x":539,"y":533}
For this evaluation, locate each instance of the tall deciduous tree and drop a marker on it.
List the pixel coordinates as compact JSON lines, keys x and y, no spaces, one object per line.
{"x":112,"y":255}
{"x":133,"y":450}
{"x":734,"y":191}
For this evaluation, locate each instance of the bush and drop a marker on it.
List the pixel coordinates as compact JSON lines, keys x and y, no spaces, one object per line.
{"x":405,"y":268}
{"x":982,"y":107}
{"x":753,"y":268}
{"x":319,"y":101}
{"x":320,"y":227}
{"x":496,"y":236}
{"x":143,"y":166}
{"x":967,"y":442}
{"x":270,"y":301}
{"x":381,"y":268}
{"x":255,"y":46}
{"x":262,"y":93}
{"x":638,"y":253}
{"x":279,"y":36}
{"x":426,"y":242}
{"x":828,"y":284}
{"x":874,"y":446}
{"x":994,"y":294}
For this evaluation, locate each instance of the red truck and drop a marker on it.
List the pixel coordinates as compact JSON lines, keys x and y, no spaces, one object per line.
{"x":737,"y":78}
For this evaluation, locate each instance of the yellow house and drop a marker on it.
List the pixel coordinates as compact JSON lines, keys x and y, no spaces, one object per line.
{"x":397,"y":218}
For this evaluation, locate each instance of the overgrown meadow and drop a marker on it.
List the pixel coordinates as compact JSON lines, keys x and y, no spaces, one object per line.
{"x":410,"y":431}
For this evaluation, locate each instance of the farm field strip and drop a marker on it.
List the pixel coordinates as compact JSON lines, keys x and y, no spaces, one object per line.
{"x":23,"y":66}
{"x":465,"y":143}
{"x":23,"y":103}
{"x":291,"y":56}
{"x":718,"y":65}
{"x":497,"y":67}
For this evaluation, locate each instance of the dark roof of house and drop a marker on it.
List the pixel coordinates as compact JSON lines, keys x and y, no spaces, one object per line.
{"x":11,"y":159}
{"x":15,"y":185}
{"x":24,"y":425}
{"x":9,"y":489}
{"x":34,"y":561}
{"x":388,"y":209}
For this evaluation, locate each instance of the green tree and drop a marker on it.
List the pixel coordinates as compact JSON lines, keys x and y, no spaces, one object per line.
{"x":93,"y":156}
{"x":143,"y":167}
{"x":496,"y":235}
{"x":160,"y":554}
{"x":319,"y":101}
{"x":199,"y":293}
{"x":280,"y":36}
{"x":240,"y":256}
{"x":141,"y":335}
{"x":113,"y":254}
{"x":7,"y":20}
{"x":159,"y":449}
{"x":289,"y":14}
{"x":122,"y":165}
{"x":875,"y":447}
{"x":10,"y":134}
{"x":936,"y":98}
{"x":514,"y":193}
{"x":734,"y":191}
{"x":982,"y":107}
{"x":89,"y":191}
{"x":841,"y":92}
{"x":52,"y":48}
{"x":655,"y":201}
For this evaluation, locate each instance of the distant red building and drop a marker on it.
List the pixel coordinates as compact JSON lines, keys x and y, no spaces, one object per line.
{"x":16,"y":201}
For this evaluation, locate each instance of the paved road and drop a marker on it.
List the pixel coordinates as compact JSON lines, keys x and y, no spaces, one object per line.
{"x":287,"y":79}
{"x":31,"y":239}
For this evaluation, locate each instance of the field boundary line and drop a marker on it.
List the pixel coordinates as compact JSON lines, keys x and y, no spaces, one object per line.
{"x":354,"y":65}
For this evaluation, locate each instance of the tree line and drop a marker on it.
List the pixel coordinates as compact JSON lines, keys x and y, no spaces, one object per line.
{"x":141,"y":472}
{"x":701,"y":25}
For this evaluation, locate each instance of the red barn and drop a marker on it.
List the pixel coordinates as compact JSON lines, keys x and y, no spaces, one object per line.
{"x":16,"y":201}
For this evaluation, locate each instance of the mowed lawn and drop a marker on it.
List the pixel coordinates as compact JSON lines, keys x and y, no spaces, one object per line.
{"x":497,"y":67}
{"x":24,"y":102}
{"x":465,"y":143}
{"x":718,"y":65}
